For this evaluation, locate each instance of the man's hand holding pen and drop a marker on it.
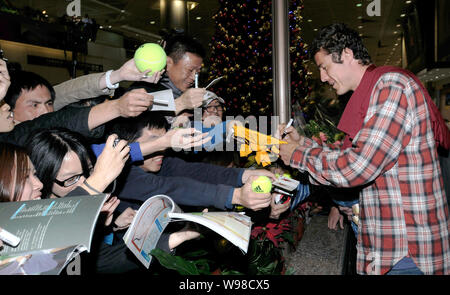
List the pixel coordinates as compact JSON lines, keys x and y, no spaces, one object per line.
{"x":289,"y":134}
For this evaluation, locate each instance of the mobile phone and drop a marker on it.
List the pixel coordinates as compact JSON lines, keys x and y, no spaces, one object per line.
{"x":281,"y":199}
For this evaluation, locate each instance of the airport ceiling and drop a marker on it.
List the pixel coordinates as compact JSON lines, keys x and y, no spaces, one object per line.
{"x":141,"y":19}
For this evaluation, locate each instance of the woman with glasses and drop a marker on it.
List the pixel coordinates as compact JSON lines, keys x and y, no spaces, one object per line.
{"x":64,"y":165}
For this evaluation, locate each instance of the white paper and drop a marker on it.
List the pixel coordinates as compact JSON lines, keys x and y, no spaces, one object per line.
{"x":213,"y":82}
{"x":163,"y":100}
{"x":286,"y":183}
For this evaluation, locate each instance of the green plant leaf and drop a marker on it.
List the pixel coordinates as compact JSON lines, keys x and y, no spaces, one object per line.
{"x":290,"y":271}
{"x":196,"y":254}
{"x":268,"y":269}
{"x":182,"y":266}
{"x":231,"y":272}
{"x":202,"y":266}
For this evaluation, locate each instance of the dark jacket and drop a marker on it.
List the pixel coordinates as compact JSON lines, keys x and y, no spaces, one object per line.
{"x":74,"y":119}
{"x":188,"y":184}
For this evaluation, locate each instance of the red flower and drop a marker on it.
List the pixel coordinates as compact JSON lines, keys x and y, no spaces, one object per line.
{"x":271,"y":231}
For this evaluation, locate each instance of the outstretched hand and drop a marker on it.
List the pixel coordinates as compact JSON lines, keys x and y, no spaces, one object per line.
{"x":133,"y":103}
{"x":335,"y":217}
{"x":190,"y":99}
{"x":277,"y":209}
{"x":110,"y":163}
{"x":189,"y":232}
{"x":124,"y":219}
{"x":129,"y":72}
{"x":4,"y":79}
{"x":108,"y":208}
{"x":185,"y":138}
{"x":246,"y":197}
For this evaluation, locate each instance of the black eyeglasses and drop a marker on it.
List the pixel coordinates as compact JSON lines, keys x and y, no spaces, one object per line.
{"x":211,"y":109}
{"x":69,"y":181}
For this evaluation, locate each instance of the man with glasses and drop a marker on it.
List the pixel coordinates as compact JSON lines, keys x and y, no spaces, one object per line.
{"x":213,"y":110}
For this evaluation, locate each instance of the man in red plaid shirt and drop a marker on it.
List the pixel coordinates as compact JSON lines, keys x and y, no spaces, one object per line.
{"x":393,"y":129}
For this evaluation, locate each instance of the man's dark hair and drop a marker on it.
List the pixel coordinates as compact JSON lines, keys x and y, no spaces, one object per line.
{"x":336,"y":37}
{"x":130,"y":129}
{"x":28,"y":81}
{"x":178,"y":44}
{"x":47,"y":150}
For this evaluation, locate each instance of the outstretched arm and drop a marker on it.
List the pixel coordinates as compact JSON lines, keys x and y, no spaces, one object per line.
{"x":94,"y":85}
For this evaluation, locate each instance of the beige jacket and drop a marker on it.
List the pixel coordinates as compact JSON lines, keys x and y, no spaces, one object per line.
{"x":77,"y":89}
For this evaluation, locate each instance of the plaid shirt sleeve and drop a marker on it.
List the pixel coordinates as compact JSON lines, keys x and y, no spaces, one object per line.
{"x":378,"y":145}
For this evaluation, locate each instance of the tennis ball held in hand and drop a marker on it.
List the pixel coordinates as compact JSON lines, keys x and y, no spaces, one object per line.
{"x":262,"y":185}
{"x":150,"y":56}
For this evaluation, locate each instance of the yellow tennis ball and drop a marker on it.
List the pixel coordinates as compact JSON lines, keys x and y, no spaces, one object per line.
{"x":262,"y":185}
{"x":150,"y":56}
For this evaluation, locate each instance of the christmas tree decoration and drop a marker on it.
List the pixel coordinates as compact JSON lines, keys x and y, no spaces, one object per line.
{"x":246,"y":62}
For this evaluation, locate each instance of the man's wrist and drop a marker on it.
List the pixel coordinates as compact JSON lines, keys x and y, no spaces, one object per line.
{"x":115,"y":77}
{"x":153,"y":146}
{"x":110,"y":83}
{"x":114,"y":107}
{"x":179,"y":106}
{"x":236,"y":199}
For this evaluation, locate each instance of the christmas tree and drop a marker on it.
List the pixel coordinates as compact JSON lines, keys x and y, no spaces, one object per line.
{"x":242,"y":53}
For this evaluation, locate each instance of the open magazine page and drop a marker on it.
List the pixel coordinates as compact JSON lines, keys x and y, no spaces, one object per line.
{"x":49,"y":231}
{"x":147,"y":226}
{"x":233,"y":226}
{"x":43,"y":262}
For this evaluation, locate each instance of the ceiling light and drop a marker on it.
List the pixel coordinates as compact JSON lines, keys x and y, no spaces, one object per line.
{"x":198,"y":18}
{"x":192,"y":5}
{"x":315,"y":30}
{"x":44,"y":11}
{"x":398,"y":25}
{"x":360,"y":17}
{"x":395,"y":32}
{"x":109,"y":27}
{"x":152,"y":22}
{"x":122,"y":11}
{"x":408,"y":2}
{"x":359,"y":5}
{"x":309,"y":20}
{"x":360,"y":27}
{"x":402,"y":15}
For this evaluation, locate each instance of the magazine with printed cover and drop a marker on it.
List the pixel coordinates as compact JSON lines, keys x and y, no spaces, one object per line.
{"x":158,"y":211}
{"x":51,"y":231}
